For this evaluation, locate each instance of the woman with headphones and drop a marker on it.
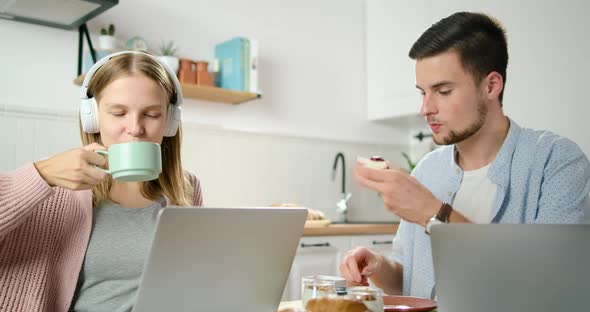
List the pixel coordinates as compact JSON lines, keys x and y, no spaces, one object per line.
{"x":73,"y":238}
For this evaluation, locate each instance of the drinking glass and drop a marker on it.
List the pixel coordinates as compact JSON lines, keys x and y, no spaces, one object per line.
{"x":316,"y":287}
{"x":371,"y":297}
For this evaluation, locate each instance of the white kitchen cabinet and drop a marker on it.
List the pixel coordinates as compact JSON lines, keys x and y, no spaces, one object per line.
{"x":322,"y":255}
{"x":391,"y":29}
{"x":378,"y":243}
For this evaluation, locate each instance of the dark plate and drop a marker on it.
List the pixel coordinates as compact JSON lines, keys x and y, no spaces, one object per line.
{"x":407,"y":303}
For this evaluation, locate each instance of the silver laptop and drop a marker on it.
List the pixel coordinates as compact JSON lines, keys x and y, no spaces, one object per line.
{"x":511,"y":267}
{"x":220,"y":259}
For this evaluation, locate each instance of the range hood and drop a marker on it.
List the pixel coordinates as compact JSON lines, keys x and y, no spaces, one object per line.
{"x":64,"y":14}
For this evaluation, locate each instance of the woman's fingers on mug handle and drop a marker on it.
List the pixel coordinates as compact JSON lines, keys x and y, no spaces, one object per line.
{"x":94,"y":147}
{"x":94,"y":158}
{"x":94,"y":175}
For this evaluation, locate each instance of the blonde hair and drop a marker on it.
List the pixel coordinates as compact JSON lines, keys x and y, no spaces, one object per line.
{"x":172,"y":183}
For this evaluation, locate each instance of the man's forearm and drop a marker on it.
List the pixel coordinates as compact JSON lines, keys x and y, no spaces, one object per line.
{"x":457,"y":217}
{"x":389,"y":278}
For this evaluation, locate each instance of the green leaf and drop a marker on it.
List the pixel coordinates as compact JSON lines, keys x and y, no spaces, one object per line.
{"x":168,"y":48}
{"x":411,"y":164}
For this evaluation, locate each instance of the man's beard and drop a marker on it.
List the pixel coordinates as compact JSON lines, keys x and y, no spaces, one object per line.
{"x":455,"y":137}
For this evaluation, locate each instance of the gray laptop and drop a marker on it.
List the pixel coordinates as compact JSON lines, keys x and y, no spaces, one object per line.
{"x":220,"y":259}
{"x":512,"y":267}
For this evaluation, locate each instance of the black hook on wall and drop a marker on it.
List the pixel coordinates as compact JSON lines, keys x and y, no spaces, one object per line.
{"x":421,"y":136}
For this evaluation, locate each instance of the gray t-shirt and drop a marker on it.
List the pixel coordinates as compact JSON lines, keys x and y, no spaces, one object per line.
{"x":118,"y":247}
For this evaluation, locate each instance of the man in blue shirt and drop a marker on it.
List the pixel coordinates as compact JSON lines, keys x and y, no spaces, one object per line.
{"x":490,"y":170}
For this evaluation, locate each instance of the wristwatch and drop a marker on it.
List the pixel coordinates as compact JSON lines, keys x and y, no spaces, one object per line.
{"x":441,"y":217}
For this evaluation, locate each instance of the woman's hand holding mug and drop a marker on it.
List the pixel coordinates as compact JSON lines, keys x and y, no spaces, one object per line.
{"x":74,"y":169}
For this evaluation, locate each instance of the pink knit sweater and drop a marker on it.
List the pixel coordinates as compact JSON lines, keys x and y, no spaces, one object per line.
{"x":44,"y":232}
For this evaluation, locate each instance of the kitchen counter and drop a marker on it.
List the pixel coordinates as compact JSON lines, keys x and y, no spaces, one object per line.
{"x":352,"y":229}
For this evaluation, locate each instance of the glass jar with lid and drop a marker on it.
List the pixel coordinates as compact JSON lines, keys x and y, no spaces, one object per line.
{"x":371,"y":297}
{"x":316,"y":287}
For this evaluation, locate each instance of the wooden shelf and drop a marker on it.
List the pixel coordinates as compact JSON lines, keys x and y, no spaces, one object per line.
{"x":206,"y":93}
{"x":216,"y":94}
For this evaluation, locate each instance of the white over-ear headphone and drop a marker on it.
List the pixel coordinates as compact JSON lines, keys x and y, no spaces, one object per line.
{"x":89,"y":107}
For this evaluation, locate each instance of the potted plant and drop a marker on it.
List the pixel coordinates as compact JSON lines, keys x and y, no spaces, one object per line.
{"x":168,"y":55}
{"x":107,"y":40}
{"x":411,"y":164}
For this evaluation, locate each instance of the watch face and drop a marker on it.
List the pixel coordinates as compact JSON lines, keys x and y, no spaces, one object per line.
{"x":434,"y":220}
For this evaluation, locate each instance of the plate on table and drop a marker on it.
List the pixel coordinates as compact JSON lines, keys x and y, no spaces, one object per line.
{"x":407,"y":303}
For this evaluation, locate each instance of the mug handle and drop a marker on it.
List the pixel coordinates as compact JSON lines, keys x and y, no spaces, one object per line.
{"x":106,"y":153}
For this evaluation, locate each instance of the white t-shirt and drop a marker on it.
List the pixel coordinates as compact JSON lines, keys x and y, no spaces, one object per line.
{"x":475,"y":198}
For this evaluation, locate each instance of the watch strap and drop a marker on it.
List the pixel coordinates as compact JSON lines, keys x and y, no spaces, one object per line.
{"x":441,"y":217}
{"x":444,"y":212}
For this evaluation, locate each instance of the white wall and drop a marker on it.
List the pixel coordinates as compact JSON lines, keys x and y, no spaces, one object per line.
{"x":547,"y":81}
{"x":547,"y":43}
{"x":311,"y":52}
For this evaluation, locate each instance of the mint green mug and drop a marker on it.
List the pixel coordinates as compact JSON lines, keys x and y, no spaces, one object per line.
{"x":133,"y":161}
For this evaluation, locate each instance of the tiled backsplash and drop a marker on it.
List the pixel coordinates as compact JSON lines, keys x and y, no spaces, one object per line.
{"x":236,"y":168}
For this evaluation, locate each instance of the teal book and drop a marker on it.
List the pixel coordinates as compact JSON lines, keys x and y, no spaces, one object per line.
{"x":232,"y":63}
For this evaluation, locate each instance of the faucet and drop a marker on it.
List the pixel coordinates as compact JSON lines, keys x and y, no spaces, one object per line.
{"x":342,"y":205}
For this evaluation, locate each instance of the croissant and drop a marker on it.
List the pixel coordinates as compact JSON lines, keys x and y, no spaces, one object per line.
{"x":331,"y":304}
{"x":311,"y":213}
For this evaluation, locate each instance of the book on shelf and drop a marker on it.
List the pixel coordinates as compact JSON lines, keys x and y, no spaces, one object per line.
{"x":238,"y":64}
{"x":232,"y":59}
